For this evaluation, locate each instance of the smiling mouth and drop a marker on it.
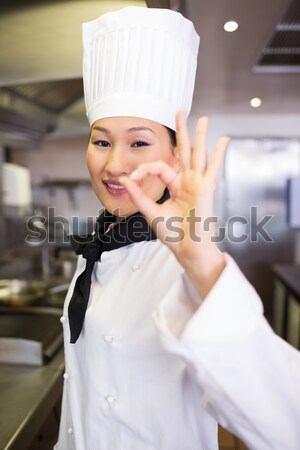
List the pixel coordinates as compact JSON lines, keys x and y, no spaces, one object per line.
{"x":114,"y":188}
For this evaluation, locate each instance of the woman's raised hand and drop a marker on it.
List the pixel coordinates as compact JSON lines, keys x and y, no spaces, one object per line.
{"x":185,"y":222}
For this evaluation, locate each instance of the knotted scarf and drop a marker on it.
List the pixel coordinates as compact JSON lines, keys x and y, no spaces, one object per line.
{"x":134,"y":228}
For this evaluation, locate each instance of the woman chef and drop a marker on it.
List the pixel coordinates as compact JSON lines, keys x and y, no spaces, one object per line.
{"x":164,"y":337}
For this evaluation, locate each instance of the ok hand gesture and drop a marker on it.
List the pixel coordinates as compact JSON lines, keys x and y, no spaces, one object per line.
{"x":190,"y":205}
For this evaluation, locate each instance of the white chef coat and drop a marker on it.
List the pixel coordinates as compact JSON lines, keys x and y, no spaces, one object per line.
{"x":155,"y":368}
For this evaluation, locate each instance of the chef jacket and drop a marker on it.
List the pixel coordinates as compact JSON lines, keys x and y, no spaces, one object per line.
{"x":156,"y":368}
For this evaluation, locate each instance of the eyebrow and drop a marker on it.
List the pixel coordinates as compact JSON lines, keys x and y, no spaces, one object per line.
{"x":130,"y":130}
{"x":104,"y":130}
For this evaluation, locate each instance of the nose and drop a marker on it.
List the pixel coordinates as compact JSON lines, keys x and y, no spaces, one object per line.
{"x":118,"y":163}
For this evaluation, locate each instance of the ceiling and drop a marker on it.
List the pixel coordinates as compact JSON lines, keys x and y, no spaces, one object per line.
{"x":41,"y":53}
{"x":226,"y":79}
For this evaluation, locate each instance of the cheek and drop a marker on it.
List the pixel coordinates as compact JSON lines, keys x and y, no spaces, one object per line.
{"x":94,"y":163}
{"x":168,"y":158}
{"x":162,"y":153}
{"x":152,"y":185}
{"x":171,"y":159}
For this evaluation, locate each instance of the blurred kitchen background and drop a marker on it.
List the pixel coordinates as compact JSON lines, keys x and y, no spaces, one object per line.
{"x":248,"y":84}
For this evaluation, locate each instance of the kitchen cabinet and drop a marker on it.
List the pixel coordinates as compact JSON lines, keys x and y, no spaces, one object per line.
{"x":286,"y":303}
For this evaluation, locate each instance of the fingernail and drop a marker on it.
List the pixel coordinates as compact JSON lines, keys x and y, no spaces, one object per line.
{"x":134,"y":175}
{"x":204,"y":119}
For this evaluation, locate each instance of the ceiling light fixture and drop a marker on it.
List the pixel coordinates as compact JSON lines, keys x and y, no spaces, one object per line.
{"x":255,"y":102}
{"x":231,"y":26}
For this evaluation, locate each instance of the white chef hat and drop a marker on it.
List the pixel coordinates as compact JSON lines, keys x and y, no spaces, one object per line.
{"x":139,"y":62}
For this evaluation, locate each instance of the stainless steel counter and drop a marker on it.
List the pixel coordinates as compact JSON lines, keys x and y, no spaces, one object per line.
{"x":28,"y":395}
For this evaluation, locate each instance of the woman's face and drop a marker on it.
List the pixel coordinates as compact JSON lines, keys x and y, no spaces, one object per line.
{"x":117,"y":146}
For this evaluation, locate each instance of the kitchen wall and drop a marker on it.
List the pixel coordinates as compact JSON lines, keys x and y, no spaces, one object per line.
{"x":251,"y":125}
{"x":58,"y":161}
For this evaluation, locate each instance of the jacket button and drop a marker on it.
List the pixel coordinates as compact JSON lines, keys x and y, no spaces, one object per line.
{"x":135,"y":267}
{"x":65,"y":376}
{"x":111,"y":399}
{"x":108,"y":338}
{"x":62,"y":319}
{"x":70,"y":430}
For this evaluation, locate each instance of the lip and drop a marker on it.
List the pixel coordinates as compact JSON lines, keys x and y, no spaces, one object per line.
{"x":111,"y":187}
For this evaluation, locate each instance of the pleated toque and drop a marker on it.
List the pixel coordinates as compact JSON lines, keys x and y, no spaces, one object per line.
{"x":139,"y":62}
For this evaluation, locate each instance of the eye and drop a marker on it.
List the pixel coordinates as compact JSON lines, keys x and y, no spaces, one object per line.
{"x":139,"y":144}
{"x":101,"y":143}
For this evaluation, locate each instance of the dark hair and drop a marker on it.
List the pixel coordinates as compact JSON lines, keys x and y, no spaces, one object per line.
{"x":172,"y":135}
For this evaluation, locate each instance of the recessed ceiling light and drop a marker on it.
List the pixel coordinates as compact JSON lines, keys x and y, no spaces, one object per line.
{"x":231,"y":26}
{"x":255,"y":102}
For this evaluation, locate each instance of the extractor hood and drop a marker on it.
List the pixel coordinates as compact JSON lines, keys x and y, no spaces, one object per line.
{"x":30,"y":110}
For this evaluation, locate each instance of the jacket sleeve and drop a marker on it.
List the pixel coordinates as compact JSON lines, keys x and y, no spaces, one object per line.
{"x":250,"y":377}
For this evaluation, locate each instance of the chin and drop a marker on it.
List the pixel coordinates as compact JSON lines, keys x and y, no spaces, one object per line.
{"x":116,"y":209}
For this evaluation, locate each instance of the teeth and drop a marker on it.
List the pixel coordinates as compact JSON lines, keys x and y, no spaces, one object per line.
{"x":115,"y":186}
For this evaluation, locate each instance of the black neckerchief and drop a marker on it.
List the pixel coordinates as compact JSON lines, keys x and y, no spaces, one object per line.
{"x":134,"y":228}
